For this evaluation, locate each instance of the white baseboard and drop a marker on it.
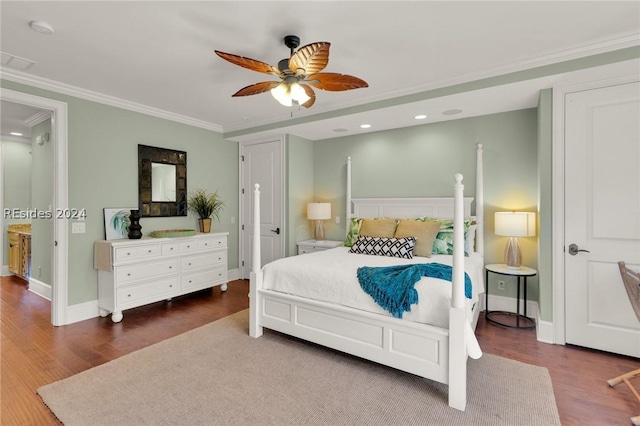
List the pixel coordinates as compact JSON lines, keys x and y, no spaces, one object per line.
{"x":233,"y":274}
{"x":40,"y":288}
{"x":82,"y":311}
{"x":4,"y":271}
{"x":544,"y":329}
{"x":544,"y":332}
{"x":502,"y":303}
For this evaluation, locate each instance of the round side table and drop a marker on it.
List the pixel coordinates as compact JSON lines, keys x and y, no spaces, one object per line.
{"x":522,"y":321}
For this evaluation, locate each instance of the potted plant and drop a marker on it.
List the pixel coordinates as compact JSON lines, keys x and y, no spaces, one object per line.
{"x":205,"y":206}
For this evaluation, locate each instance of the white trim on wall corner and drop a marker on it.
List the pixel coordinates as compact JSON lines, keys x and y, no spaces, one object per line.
{"x":77,"y":92}
{"x":40,"y":288}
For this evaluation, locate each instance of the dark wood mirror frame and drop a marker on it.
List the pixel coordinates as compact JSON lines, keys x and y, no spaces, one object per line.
{"x":149,"y":208}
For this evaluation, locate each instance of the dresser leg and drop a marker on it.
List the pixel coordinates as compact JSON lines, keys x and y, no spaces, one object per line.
{"x":223,"y":287}
{"x":103,"y":312}
{"x":116,"y":316}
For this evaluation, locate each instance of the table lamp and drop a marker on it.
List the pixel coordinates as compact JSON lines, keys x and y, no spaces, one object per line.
{"x":514,"y":225}
{"x":319,"y":212}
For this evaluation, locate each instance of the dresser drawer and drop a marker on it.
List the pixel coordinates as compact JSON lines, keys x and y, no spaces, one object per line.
{"x":136,"y":252}
{"x":213,"y":243}
{"x":204,"y":279}
{"x":204,"y":260}
{"x":152,"y":291}
{"x":141,"y":271}
{"x":170,"y":248}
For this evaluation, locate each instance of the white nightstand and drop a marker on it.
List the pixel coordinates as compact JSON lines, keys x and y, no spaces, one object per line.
{"x":310,"y":246}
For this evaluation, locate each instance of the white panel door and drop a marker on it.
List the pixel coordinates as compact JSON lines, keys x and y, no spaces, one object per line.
{"x":263,"y":164}
{"x":602,"y":216}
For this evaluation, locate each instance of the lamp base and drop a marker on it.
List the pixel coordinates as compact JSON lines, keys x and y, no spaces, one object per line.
{"x":512,"y":254}
{"x":319,"y":234}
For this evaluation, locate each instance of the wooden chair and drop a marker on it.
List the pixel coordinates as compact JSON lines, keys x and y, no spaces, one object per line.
{"x":631,"y":282}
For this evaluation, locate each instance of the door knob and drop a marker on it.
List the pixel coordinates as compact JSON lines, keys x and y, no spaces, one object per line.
{"x":573,"y":249}
{"x":277,"y":231}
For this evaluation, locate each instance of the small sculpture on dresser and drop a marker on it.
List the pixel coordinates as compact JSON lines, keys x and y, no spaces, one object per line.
{"x":134,"y":226}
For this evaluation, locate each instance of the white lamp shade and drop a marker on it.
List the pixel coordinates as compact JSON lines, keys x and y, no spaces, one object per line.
{"x":515,"y":224}
{"x":319,"y":211}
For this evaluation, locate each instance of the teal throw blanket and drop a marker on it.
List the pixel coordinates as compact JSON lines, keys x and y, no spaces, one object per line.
{"x":393,"y":287}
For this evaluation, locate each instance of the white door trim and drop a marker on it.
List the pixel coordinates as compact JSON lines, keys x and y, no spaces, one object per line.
{"x":558,"y":196}
{"x":60,"y":257}
{"x":245,"y":269}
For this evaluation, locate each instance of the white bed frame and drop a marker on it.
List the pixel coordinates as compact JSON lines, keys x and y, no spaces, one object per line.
{"x":428,"y":351}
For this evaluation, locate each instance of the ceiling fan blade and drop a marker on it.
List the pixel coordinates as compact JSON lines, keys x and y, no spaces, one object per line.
{"x":335,"y":82}
{"x":311,"y":94}
{"x":257,"y":88}
{"x":249,"y":63}
{"x":310,"y":59}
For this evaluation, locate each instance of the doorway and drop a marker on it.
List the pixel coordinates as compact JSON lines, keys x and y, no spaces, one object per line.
{"x":262,"y":163}
{"x":59,"y":251}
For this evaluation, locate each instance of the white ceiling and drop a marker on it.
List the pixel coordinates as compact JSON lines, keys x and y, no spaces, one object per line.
{"x":158,"y":56}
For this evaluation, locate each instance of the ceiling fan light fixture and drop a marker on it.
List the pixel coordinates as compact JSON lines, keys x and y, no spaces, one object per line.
{"x":282,"y":94}
{"x":298,"y":94}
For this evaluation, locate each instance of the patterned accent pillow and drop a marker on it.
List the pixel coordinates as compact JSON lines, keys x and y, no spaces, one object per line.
{"x":443,"y":244}
{"x":354,"y":230}
{"x":381,"y":246}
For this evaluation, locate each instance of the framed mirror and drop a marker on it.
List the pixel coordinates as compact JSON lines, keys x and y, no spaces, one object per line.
{"x":162,"y":182}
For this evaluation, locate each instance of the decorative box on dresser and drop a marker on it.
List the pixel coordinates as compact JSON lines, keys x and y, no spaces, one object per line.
{"x":133,"y":273}
{"x":309,"y":246}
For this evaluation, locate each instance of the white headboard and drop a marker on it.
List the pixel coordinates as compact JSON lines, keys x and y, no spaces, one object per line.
{"x":407,"y":208}
{"x":441,"y":208}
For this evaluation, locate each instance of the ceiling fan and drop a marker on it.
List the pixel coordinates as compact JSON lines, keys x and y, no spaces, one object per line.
{"x":298,"y":74}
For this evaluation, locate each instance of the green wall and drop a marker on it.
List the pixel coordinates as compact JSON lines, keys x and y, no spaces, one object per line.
{"x":299,"y":190}
{"x":103,"y":172}
{"x":16,"y":182}
{"x":42,"y":200}
{"x":420,"y":161}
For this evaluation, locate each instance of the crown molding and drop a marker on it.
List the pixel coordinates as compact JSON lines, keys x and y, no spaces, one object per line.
{"x":89,"y":95}
{"x":37,"y":118}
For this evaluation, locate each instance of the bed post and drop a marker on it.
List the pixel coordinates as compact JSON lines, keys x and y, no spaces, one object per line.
{"x":347,"y":217}
{"x":457,"y":314}
{"x":479,"y":202}
{"x":255,"y":330}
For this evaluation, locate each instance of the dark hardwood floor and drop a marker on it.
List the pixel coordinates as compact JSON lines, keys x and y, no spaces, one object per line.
{"x":34,"y":353}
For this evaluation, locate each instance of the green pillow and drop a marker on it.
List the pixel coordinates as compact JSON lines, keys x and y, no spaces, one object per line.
{"x":354,"y":230}
{"x":443,"y":244}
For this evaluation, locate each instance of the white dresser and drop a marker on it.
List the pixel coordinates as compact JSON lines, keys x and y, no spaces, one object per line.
{"x":133,"y":273}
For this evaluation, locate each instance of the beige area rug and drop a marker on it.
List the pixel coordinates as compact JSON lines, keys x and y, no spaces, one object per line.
{"x":217,"y":374}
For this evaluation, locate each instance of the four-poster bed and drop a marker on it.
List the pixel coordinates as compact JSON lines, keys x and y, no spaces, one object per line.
{"x":437,"y":352}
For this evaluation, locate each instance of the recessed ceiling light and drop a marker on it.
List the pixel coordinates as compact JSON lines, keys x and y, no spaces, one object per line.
{"x":420,"y":116}
{"x":451,"y":112}
{"x":365,"y":126}
{"x":16,"y":133}
{"x":340,"y":130}
{"x":41,"y":27}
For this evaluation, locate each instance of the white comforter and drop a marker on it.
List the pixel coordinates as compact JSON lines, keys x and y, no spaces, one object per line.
{"x":330,"y":276}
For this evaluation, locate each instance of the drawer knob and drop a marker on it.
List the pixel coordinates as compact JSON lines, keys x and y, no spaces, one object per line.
{"x":188,"y":246}
{"x":129,"y":274}
{"x":189,"y":263}
{"x":149,"y":251}
{"x":128,"y":254}
{"x":170,"y":285}
{"x":170,"y":267}
{"x":128,"y":295}
{"x":206,"y":244}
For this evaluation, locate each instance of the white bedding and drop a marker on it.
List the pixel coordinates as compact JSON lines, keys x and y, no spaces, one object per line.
{"x":330,"y":276}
